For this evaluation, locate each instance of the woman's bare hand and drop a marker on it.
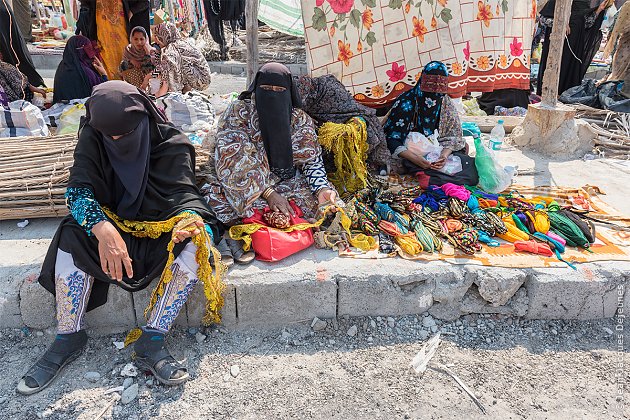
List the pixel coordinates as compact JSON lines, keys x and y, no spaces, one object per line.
{"x":112,"y":251}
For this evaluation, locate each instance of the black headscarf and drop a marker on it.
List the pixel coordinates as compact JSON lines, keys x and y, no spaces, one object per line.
{"x":75,"y":76}
{"x":274,"y":115}
{"x":119,"y":109}
{"x":579,"y":9}
{"x":148,"y":173}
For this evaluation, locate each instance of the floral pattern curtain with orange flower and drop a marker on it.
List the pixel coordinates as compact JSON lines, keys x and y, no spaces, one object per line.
{"x":377,"y":48}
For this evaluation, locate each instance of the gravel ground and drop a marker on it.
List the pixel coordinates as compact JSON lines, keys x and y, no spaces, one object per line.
{"x":518,"y":369}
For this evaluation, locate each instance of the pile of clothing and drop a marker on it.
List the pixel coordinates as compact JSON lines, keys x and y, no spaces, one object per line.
{"x":414,"y":220}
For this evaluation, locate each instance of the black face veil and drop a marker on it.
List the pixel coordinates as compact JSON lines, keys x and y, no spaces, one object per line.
{"x":274,"y":108}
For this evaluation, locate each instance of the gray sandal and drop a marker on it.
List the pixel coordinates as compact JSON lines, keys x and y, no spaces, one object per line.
{"x":240,"y":256}
{"x":60,"y":353}
{"x":163,"y":366}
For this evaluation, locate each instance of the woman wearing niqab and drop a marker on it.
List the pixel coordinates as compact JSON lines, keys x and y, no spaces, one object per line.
{"x":136,"y":217}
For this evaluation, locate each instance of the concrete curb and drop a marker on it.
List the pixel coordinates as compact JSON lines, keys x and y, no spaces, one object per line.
{"x":264,"y":295}
{"x":315,"y":283}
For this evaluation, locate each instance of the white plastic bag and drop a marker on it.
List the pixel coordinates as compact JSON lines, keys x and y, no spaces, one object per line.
{"x":422,"y":145}
{"x":22,"y":118}
{"x":70,"y":119}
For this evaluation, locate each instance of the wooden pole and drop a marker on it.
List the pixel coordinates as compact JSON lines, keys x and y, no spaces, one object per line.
{"x":251,"y":22}
{"x":551,"y":78}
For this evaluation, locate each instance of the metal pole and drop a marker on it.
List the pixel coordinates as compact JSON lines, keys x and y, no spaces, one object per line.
{"x":551,"y":78}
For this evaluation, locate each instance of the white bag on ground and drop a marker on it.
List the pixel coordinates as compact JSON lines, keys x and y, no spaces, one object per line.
{"x":185,"y":109}
{"x":70,"y":119}
{"x":22,"y":118}
{"x":53,"y":113}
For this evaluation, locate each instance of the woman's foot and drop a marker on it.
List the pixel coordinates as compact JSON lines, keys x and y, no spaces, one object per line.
{"x":62,"y":351}
{"x":152,"y":355}
{"x":240,"y":256}
{"x":226,"y":254}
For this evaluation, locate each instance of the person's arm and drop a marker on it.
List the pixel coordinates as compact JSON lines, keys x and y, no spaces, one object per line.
{"x":100,"y":68}
{"x":451,"y":137}
{"x":394,"y":135}
{"x":591,"y":18}
{"x":84,"y":208}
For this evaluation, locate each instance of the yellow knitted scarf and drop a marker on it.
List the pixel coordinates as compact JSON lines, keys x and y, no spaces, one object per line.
{"x":213,"y":284}
{"x":348,"y":144}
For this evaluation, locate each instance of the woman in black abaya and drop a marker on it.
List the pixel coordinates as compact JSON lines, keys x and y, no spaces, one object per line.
{"x":136,"y":215}
{"x":582,"y":40}
{"x":13,"y":48}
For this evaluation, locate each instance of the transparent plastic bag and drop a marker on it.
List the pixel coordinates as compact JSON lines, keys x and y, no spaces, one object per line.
{"x":493,"y":177}
{"x":70,"y":119}
{"x":422,"y":145}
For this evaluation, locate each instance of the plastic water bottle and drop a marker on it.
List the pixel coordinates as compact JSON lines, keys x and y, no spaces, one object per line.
{"x":496,"y":136}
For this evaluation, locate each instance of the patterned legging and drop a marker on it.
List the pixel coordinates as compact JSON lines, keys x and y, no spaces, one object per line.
{"x":73,"y":288}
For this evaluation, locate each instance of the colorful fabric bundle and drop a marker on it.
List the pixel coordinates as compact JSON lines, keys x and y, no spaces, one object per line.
{"x":512,"y":233}
{"x":406,"y":240}
{"x":348,"y":144}
{"x":588,"y":229}
{"x":457,"y":207}
{"x":424,"y":235}
{"x":386,"y":243}
{"x":367,"y":219}
{"x":466,"y":239}
{"x":540,"y":220}
{"x":385,"y":212}
{"x":456,"y":191}
{"x":533,"y":247}
{"x":433,"y":198}
{"x":569,"y":231}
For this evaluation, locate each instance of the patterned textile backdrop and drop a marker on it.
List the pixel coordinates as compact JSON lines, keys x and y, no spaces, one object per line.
{"x":377,"y":48}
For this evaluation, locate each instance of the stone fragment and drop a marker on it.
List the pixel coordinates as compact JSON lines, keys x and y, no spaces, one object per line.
{"x":235,"y":370}
{"x":318,"y":324}
{"x":352,"y":331}
{"x":92,"y":376}
{"x":127,"y":383}
{"x":129,"y":394}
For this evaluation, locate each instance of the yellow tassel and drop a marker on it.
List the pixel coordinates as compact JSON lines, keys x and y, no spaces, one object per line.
{"x":133,"y":336}
{"x":213,"y":284}
{"x":361,"y":241}
{"x":348,"y":144}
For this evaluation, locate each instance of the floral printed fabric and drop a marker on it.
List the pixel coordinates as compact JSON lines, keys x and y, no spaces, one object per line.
{"x":176,"y":291}
{"x":72,"y":291}
{"x":377,"y":48}
{"x":84,"y":208}
{"x":241,"y":172}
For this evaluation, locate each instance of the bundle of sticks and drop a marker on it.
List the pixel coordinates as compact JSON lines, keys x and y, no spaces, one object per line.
{"x":34,"y":172}
{"x":611,"y":129}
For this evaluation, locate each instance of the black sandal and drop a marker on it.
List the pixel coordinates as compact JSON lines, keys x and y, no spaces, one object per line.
{"x":163,"y":366}
{"x":60,"y":353}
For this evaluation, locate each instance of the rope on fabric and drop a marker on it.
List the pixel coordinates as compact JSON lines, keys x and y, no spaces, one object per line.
{"x":348,"y":144}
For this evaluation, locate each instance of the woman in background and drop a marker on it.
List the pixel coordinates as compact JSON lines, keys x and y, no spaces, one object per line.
{"x":426,"y":109}
{"x":138,"y":58}
{"x":182,"y":67}
{"x":582,"y":40}
{"x":13,"y":48}
{"x":15,"y":85}
{"x":111,"y":28}
{"x":79,"y":71}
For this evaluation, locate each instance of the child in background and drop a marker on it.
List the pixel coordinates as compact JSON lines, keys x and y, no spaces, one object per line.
{"x":138,"y":58}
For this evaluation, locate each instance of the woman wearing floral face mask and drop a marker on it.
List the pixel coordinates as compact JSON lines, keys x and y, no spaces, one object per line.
{"x":427,"y":109}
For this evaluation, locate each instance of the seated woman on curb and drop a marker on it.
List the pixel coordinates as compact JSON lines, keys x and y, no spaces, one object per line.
{"x":131,"y":193}
{"x":267,"y":153}
{"x":425,"y":109}
{"x":79,"y":71}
